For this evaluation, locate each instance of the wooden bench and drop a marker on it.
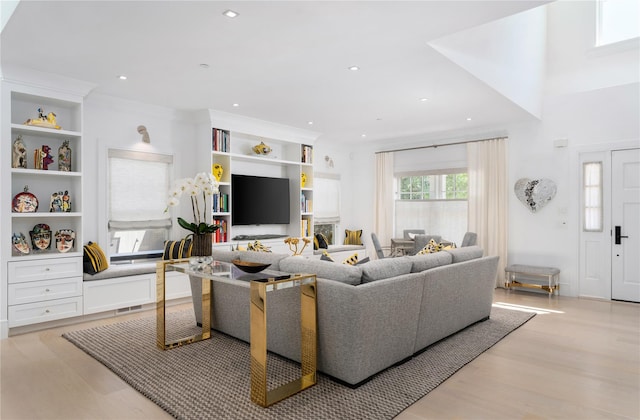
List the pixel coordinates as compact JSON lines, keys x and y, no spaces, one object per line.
{"x":551,"y":274}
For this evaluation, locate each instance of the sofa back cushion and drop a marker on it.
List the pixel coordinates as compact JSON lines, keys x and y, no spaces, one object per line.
{"x":465,"y":254}
{"x":423,"y":262}
{"x":385,"y":268}
{"x":345,"y":273}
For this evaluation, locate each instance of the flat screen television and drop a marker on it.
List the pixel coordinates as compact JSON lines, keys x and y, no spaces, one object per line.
{"x":259,"y":200}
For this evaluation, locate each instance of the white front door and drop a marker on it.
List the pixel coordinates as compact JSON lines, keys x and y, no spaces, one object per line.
{"x":625,"y":222}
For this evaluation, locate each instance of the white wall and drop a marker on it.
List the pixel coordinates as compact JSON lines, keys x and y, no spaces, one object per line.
{"x":112,"y":123}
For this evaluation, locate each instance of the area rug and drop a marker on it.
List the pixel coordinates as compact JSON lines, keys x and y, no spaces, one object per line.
{"x":210,"y":379}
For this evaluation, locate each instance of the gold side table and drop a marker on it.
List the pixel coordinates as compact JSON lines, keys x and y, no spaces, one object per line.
{"x":161,"y":330}
{"x":308,"y":325}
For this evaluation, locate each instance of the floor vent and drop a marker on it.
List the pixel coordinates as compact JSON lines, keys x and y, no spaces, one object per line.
{"x":129,"y":309}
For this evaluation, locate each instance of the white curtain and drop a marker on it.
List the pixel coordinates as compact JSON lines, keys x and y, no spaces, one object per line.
{"x":384,"y":200}
{"x":488,"y":198}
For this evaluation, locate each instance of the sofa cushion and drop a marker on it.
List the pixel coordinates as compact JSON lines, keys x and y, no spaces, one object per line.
{"x":465,"y":254}
{"x":344,"y":273}
{"x":174,"y":250}
{"x":385,"y":268}
{"x":423,"y":262}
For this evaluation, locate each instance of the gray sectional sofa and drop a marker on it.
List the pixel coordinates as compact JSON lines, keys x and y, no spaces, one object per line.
{"x":370,"y":316}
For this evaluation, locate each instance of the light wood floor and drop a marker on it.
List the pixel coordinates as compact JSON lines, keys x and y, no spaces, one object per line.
{"x":578,"y":360}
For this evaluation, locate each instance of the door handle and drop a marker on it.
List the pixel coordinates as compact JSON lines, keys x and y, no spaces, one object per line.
{"x":619,"y":235}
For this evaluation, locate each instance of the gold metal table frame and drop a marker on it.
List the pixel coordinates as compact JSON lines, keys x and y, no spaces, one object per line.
{"x":308,"y":329}
{"x":258,"y":329}
{"x":161,"y":330}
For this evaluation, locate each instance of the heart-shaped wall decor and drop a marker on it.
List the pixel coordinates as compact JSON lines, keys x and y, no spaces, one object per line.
{"x":535,"y":193}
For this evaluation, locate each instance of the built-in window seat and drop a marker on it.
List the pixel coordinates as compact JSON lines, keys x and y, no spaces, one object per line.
{"x":340,"y":252}
{"x":129,"y":285}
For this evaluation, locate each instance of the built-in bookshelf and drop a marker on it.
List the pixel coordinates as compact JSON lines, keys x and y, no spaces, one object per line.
{"x":42,"y":152}
{"x":232,"y":141}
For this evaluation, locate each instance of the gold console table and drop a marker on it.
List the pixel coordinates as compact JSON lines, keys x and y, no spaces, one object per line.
{"x":261,"y":284}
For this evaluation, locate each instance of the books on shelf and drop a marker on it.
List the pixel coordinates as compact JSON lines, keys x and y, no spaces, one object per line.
{"x":305,"y":228}
{"x":221,"y":203}
{"x":307,"y":153}
{"x":219,"y":140}
{"x":305,"y":204}
{"x":220,"y":235}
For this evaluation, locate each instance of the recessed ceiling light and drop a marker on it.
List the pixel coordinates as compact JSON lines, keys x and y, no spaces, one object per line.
{"x":204,"y":65}
{"x":230,"y":13}
{"x":310,"y":122}
{"x":236,"y":105}
{"x":354,"y":68}
{"x":122,"y":77}
{"x":469,"y":119}
{"x":363,"y":135}
{"x":423,"y":99}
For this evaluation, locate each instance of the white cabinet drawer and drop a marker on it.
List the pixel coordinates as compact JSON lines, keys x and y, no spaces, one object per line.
{"x":36,"y":270}
{"x":36,"y":291}
{"x":32,"y":313}
{"x":116,"y":293}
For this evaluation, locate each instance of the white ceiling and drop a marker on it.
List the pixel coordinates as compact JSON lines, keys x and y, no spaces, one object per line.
{"x":285,"y":62}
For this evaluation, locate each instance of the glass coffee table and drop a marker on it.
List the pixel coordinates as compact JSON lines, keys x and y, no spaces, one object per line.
{"x":261,"y":284}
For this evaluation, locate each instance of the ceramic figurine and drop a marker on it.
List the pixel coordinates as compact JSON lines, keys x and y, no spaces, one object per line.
{"x":217,"y":171}
{"x":47,"y":122}
{"x":25,"y":202}
{"x":60,"y":202}
{"x":42,"y":158}
{"x":41,"y":237}
{"x":19,"y":154}
{"x":303,"y":180}
{"x":64,"y":157}
{"x":20,"y":243}
{"x":261,"y":149}
{"x":65,"y":239}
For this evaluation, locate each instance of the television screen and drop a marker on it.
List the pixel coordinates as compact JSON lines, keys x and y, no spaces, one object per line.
{"x":259,"y":200}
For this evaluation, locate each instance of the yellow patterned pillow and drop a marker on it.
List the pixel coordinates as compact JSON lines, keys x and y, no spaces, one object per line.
{"x":353,"y":237}
{"x":177,"y":249}
{"x":431,"y":247}
{"x":351,"y":260}
{"x":257,"y":247}
{"x":94,"y":260}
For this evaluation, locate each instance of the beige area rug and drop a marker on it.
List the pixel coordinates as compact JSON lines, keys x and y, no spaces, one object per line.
{"x":210,"y":379}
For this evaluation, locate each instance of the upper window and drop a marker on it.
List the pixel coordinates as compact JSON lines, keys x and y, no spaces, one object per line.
{"x":441,"y":186}
{"x":138,"y":186}
{"x":617,"y":20}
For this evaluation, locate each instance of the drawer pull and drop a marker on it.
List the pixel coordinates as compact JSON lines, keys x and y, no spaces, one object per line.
{"x":47,"y":269}
{"x":47,"y":290}
{"x":46,"y":311}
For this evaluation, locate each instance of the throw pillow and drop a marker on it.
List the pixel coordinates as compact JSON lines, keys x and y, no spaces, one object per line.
{"x":351,"y":260}
{"x":93,"y":259}
{"x":326,"y":257}
{"x":315,"y":242}
{"x":174,"y":250}
{"x":432,"y":246}
{"x":323,"y":242}
{"x":256,"y":246}
{"x":353,"y":237}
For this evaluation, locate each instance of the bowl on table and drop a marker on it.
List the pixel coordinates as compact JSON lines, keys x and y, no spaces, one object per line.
{"x":250,"y":267}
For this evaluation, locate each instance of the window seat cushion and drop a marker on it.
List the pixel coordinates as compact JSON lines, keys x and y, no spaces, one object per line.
{"x":123,"y":270}
{"x":338,"y":248}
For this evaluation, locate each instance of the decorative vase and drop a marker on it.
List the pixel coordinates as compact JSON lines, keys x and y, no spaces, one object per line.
{"x":201,"y":252}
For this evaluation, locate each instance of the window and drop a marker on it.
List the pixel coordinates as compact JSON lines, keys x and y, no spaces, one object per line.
{"x":592,"y":185}
{"x":435,"y":201}
{"x":617,"y":20}
{"x":138,"y":188}
{"x":447,"y":186}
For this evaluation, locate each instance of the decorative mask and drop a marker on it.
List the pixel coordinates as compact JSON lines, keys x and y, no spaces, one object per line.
{"x":20,"y":243}
{"x":41,"y":236}
{"x":65,"y":239}
{"x":217,"y":171}
{"x":19,"y":154}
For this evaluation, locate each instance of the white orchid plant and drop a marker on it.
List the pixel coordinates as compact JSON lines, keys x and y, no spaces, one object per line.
{"x":203,"y":185}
